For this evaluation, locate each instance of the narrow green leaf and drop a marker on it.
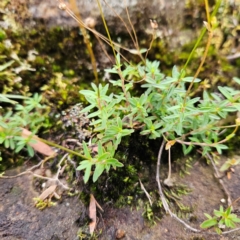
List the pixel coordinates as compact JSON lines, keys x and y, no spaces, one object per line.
{"x":3,"y":125}
{"x":83,"y":164}
{"x":218,"y":213}
{"x":6,"y":65}
{"x":225,"y":92}
{"x":208,"y":216}
{"x":30,"y":151}
{"x":175,"y":72}
{"x":19,"y":148}
{"x":6,"y":143}
{"x":103,"y":157}
{"x":209,"y":223}
{"x":143,"y":50}
{"x":86,"y":150}
{"x":228,"y":210}
{"x":100,"y":148}
{"x":88,"y":93}
{"x":94,"y":114}
{"x":126,"y":132}
{"x":114,"y":162}
{"x":87,"y":173}
{"x":225,"y":167}
{"x":145,"y":132}
{"x":235,"y":219}
{"x":237,"y":80}
{"x":173,"y":116}
{"x":113,"y":70}
{"x":88,"y":108}
{"x":186,"y":149}
{"x":3,"y":98}
{"x":220,"y":147}
{"x":229,"y":223}
{"x":98,"y":171}
{"x":189,"y":79}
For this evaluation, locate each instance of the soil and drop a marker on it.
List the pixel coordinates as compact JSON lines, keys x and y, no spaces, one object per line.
{"x":19,"y":219}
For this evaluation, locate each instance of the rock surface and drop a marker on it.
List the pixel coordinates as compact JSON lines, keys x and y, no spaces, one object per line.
{"x":170,"y":12}
{"x":19,"y":220}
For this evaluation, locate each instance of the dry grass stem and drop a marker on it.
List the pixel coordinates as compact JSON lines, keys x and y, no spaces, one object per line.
{"x":218,"y":177}
{"x":145,"y":191}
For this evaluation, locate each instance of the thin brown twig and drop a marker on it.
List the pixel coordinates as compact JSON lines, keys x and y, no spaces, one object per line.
{"x":73,"y":4}
{"x":129,"y":32}
{"x":164,"y":202}
{"x":133,"y":29}
{"x":231,"y":231}
{"x":29,"y":171}
{"x":63,"y":6}
{"x":23,"y":173}
{"x":169,"y":164}
{"x":202,"y":144}
{"x":210,"y":36}
{"x":145,"y":191}
{"x":165,"y":205}
{"x":150,"y":46}
{"x":134,"y":33}
{"x":235,"y":201}
{"x":220,"y":180}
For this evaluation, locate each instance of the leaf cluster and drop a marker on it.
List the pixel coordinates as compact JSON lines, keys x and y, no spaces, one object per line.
{"x":221,"y":220}
{"x":164,"y":109}
{"x":103,"y":160}
{"x":31,"y":114}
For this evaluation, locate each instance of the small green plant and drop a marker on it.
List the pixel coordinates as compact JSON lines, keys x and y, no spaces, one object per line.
{"x":148,"y":213}
{"x":42,"y":204}
{"x":31,"y":115}
{"x":229,"y":164}
{"x":163,"y":110}
{"x":15,"y":117}
{"x":221,"y":220}
{"x":103,"y":160}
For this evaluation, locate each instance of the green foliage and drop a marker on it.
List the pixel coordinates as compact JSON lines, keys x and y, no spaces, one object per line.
{"x":221,"y":220}
{"x":31,"y":115}
{"x":103,"y":160}
{"x":163,"y":110}
{"x":42,"y":204}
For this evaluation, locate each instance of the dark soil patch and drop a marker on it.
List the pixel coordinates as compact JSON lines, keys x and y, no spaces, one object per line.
{"x":19,"y":219}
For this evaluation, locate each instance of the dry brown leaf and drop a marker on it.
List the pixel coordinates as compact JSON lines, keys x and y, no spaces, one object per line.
{"x":170,"y":144}
{"x":38,"y":146}
{"x":50,"y":190}
{"x":92,"y":214}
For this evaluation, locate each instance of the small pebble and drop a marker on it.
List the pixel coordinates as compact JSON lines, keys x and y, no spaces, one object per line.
{"x":120,"y":234}
{"x":223,"y":200}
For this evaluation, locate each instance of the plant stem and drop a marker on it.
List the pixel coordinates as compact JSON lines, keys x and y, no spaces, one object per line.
{"x":220,"y":180}
{"x":217,"y":5}
{"x":169,"y":164}
{"x":73,"y":3}
{"x":164,"y":202}
{"x":201,"y":64}
{"x":64,"y":149}
{"x":106,"y":28}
